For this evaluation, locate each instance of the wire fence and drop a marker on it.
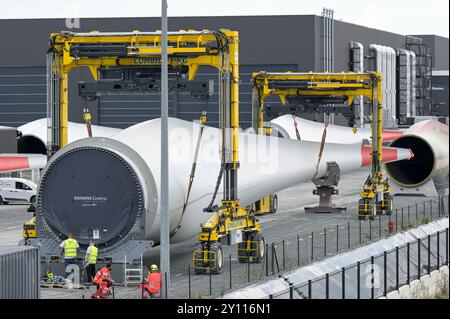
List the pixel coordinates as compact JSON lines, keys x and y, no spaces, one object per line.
{"x":378,"y":275}
{"x":297,"y":251}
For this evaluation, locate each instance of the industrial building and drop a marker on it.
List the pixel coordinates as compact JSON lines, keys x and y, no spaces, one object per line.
{"x":104,"y":181}
{"x":299,"y":43}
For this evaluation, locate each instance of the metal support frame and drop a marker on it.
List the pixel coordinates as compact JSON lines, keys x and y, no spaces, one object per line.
{"x":314,"y":91}
{"x":326,"y":187}
{"x":188,"y":50}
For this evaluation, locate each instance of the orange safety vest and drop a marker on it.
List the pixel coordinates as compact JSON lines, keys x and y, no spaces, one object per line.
{"x":154,"y":282}
{"x":101,"y":275}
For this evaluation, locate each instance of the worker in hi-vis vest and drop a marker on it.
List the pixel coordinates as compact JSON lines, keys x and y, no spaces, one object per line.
{"x":69,"y":250}
{"x":91,"y":260}
{"x":152,"y":286}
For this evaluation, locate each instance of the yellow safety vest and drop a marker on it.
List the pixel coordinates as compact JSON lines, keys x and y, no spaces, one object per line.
{"x":70,"y":248}
{"x":93,"y":255}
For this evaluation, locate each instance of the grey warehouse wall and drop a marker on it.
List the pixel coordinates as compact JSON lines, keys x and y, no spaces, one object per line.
{"x":267,"y":43}
{"x":439,"y":50}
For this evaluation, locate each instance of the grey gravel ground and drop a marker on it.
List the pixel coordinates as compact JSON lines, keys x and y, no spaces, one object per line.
{"x":289,"y":222}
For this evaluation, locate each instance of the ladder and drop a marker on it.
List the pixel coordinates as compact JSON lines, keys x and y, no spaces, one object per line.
{"x":132,"y":276}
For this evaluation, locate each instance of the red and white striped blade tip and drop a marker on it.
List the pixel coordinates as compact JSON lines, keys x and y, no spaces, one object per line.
{"x":389,"y":154}
{"x":20,"y":162}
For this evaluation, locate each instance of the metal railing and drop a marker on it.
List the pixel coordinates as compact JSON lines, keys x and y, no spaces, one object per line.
{"x":378,"y":275}
{"x":302,"y":249}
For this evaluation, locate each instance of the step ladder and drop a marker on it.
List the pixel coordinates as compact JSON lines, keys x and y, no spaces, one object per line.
{"x":133,"y":275}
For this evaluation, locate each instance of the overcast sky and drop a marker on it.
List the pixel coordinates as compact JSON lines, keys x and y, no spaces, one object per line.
{"x":399,"y":16}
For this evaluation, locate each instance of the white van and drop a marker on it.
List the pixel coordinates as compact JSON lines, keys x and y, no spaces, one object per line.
{"x":17,"y":189}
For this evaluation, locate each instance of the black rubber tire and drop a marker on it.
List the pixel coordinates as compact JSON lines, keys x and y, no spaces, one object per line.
{"x":198,"y":255}
{"x":242,"y":255}
{"x":361,"y":202}
{"x":216,"y":250}
{"x":241,"y":250}
{"x":258,"y":247}
{"x":273,"y":204}
{"x":389,"y":207}
{"x":32,"y":199}
{"x":1,"y":200}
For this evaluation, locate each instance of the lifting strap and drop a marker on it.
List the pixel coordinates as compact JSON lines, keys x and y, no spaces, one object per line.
{"x":87,"y":118}
{"x":322,"y":144}
{"x":296,"y":128}
{"x":193,"y":168}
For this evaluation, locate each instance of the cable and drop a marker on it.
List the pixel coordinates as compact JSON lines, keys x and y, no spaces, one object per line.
{"x":296,"y":128}
{"x":193,"y":168}
{"x":322,"y":144}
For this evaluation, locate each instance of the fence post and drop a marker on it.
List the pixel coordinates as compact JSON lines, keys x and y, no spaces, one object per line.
{"x":446,"y":246}
{"x":231,"y":268}
{"x":396,"y":220}
{"x":429,"y":253}
{"x":438,"y":261}
{"x":431,"y":209}
{"x":417,"y":215}
{"x":418,"y":258}
{"x":403,"y":223}
{"x":348,"y":235}
{"x":248,"y":269}
{"x":325,"y":242}
{"x":189,"y":284}
{"x":360,"y":235}
{"x":408,"y":261}
{"x":210,"y":283}
{"x":358,"y":280}
{"x":337,"y":239}
{"x":370,"y":230}
{"x":439,"y":206}
{"x":312,"y":245}
{"x":343,"y":282}
{"x":424,"y":209}
{"x":291,"y":290}
{"x":273,"y":259}
{"x":379,"y":226}
{"x":397,"y":266}
{"x":372,"y":277}
{"x":385,"y":273}
{"x":298,"y":250}
{"x":270,"y":296}
{"x":267,"y":259}
{"x":284,"y":259}
{"x":309,"y":289}
{"x":409,"y":215}
{"x":327,"y":286}
{"x":166,"y":295}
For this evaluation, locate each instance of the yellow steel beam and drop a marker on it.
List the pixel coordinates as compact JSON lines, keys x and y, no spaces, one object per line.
{"x":145,"y":50}
{"x":158,"y":50}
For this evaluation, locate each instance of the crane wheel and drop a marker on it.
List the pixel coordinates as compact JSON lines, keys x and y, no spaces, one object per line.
{"x":199,"y":265}
{"x":258,"y":248}
{"x":242,"y":252}
{"x":216,"y":256}
{"x":273,"y":204}
{"x":362,"y":209}
{"x":388,"y":207}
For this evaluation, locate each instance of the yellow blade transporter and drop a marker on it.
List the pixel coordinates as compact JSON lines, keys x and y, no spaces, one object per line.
{"x":321,"y":92}
{"x":188,"y":50}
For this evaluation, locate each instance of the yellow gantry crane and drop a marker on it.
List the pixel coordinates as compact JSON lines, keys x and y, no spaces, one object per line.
{"x":331,"y":93}
{"x":188,"y":50}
